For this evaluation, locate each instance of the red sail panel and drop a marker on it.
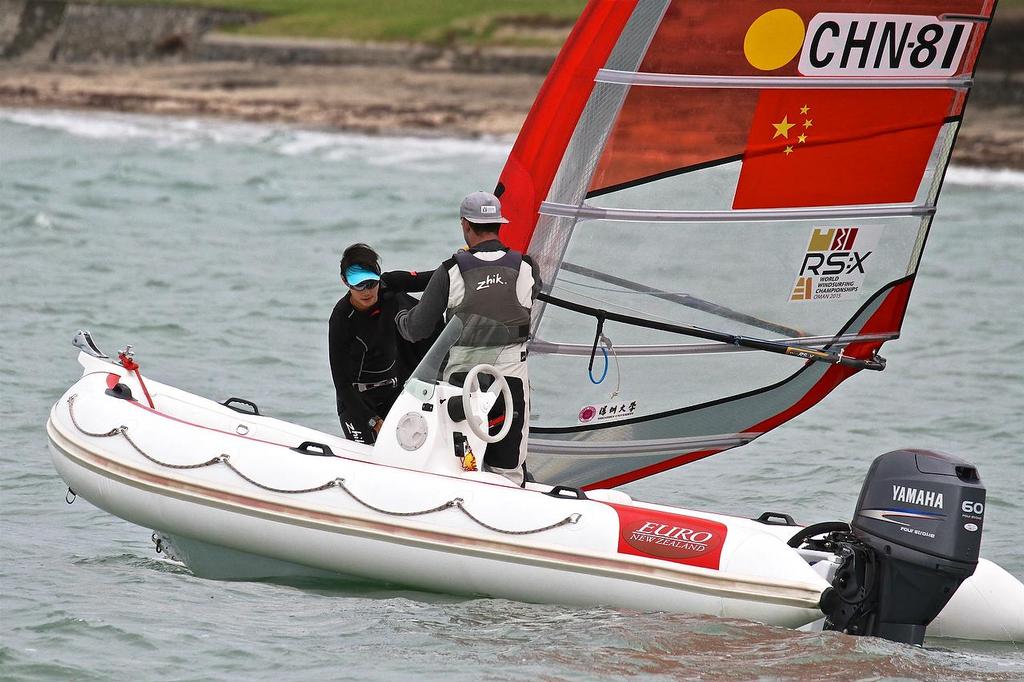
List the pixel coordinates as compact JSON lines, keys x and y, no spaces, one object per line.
{"x":542,"y":141}
{"x":668,"y":130}
{"x":837,"y":147}
{"x":664,"y":129}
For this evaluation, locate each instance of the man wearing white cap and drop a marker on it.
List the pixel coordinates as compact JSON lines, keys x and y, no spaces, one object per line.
{"x":486,"y":281}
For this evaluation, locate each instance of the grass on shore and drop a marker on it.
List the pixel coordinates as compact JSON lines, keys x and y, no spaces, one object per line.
{"x":469,"y":22}
{"x":521,"y":23}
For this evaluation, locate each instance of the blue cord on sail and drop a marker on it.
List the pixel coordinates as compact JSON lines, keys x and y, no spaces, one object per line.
{"x":590,"y":370}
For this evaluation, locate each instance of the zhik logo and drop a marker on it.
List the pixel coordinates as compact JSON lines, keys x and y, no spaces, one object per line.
{"x":489,"y":281}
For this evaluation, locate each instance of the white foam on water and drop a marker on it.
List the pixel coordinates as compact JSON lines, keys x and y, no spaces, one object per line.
{"x":405,"y":151}
{"x":163,"y":132}
{"x":985,"y":177}
{"x":192,"y":133}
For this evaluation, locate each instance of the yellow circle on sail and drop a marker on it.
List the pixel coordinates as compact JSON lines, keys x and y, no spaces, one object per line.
{"x":773,"y":39}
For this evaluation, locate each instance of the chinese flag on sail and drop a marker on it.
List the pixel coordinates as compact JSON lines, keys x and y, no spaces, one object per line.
{"x":839,"y":147}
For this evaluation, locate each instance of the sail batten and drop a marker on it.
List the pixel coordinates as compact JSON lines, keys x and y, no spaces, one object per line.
{"x":667,"y":349}
{"x":763,"y":175}
{"x":677,"y":80}
{"x":589,"y":212}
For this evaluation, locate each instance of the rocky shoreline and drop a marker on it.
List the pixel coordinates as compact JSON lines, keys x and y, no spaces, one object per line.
{"x":176,"y":66}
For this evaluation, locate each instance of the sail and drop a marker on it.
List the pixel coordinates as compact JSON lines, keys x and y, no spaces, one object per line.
{"x":728,"y":207}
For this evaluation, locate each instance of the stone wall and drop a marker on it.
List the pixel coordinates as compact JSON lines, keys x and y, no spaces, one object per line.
{"x":10,"y":21}
{"x":230,"y":48}
{"x":1004,"y":44}
{"x":82,"y":32}
{"x":73,"y":32}
{"x":417,"y":56}
{"x":135,"y":33}
{"x":29,"y":26}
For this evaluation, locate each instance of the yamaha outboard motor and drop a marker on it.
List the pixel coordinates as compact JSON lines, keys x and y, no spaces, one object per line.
{"x":915,"y":537}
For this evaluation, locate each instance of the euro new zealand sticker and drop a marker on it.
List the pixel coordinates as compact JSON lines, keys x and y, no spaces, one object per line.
{"x":835,"y":263}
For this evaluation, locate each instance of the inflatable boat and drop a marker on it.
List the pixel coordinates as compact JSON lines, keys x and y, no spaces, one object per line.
{"x":234,"y":494}
{"x":728,"y":211}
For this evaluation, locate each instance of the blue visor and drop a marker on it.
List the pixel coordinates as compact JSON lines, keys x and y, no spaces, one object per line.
{"x":357,"y":274}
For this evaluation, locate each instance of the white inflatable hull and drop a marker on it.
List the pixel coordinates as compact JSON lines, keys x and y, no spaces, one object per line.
{"x":458,"y":532}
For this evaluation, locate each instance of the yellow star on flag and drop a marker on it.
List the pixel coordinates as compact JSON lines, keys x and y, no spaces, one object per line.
{"x":782,"y":128}
{"x":787,"y":151}
{"x":804,"y":109}
{"x":808,"y":123}
{"x":801,"y":138}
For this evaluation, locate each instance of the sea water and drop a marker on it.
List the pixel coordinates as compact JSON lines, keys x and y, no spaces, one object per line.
{"x":213,"y":248}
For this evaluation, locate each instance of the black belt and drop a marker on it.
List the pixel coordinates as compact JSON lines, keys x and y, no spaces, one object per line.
{"x":377,"y":384}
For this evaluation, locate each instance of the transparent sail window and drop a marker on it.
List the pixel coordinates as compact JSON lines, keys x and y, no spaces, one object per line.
{"x":768,"y":280}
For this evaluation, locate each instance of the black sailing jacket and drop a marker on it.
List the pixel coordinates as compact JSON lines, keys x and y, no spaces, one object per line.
{"x":365,"y":347}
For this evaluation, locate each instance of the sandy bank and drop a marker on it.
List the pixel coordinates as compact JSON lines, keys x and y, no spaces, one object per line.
{"x":373,"y":99}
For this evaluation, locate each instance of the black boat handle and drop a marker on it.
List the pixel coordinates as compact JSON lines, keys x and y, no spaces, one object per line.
{"x":254,"y":411}
{"x":310,"y":447}
{"x":575,"y":492}
{"x":767,"y":517}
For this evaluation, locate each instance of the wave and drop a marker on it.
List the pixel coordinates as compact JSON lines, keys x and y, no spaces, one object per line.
{"x":194,"y":133}
{"x":985,"y":177}
{"x":405,"y":151}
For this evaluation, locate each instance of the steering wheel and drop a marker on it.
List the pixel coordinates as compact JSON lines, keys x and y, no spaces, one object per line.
{"x":478,"y":425}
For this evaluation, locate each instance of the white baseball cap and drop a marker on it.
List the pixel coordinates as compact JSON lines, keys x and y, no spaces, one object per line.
{"x":481,"y":207}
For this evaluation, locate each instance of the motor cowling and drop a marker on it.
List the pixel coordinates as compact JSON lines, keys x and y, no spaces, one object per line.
{"x":915,"y":538}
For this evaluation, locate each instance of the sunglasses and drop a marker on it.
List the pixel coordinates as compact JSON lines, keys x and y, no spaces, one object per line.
{"x":363,"y":286}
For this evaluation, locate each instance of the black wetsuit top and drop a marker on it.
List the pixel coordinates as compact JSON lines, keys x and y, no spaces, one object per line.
{"x":365,"y":348}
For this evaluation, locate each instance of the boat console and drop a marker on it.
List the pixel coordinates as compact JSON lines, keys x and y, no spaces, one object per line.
{"x":439,"y":424}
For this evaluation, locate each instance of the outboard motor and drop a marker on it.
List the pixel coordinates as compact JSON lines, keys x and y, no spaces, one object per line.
{"x":915,"y":537}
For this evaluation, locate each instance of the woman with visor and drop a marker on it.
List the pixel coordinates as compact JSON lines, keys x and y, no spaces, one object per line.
{"x":370,"y":361}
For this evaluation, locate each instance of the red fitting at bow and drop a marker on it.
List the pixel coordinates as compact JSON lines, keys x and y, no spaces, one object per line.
{"x":133,"y":366}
